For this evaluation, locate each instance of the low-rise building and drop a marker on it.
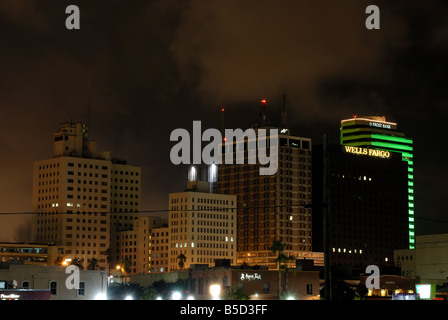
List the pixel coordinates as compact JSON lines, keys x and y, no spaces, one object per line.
{"x":31,"y":253}
{"x":428,"y":262}
{"x":17,"y":277}
{"x":254,"y":282}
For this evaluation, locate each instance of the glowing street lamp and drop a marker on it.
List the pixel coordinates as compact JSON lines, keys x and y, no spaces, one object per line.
{"x":176,"y":295}
{"x":215,"y":290}
{"x":100,"y":296}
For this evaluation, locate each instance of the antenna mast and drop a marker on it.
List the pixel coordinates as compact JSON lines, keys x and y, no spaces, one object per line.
{"x":90,"y":91}
{"x":263,"y":104}
{"x":284,"y":112}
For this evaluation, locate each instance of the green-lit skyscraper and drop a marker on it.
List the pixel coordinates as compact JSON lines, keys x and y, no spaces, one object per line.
{"x":376,"y":133}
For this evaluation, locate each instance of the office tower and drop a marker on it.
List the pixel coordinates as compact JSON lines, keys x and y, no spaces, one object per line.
{"x":377,"y":133}
{"x":125,"y":194}
{"x":72,"y":196}
{"x":202,"y":226}
{"x":272,"y":207}
{"x":124,"y":205}
{"x":368,"y":205}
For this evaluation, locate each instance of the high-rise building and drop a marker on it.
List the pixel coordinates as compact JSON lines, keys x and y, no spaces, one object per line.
{"x":272,"y":207}
{"x":124,"y":206}
{"x":73,"y":195}
{"x":376,"y":133}
{"x":367,"y":205}
{"x":202,"y":226}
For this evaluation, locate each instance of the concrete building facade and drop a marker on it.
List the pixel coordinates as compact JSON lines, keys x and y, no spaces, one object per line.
{"x":74,"y":193}
{"x":272,"y":207}
{"x":256,"y":283}
{"x":202,"y":228}
{"x":53,"y":278}
{"x":428,"y":262}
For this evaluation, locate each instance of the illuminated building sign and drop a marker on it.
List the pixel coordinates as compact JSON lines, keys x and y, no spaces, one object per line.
{"x":380,"y":125}
{"x":250,"y":276}
{"x":426,"y":291}
{"x":368,"y":152}
{"x":11,"y":296}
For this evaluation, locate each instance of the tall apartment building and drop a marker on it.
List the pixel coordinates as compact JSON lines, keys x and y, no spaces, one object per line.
{"x":74,"y":192}
{"x":202,"y":226}
{"x":272,"y":207}
{"x":376,"y":133}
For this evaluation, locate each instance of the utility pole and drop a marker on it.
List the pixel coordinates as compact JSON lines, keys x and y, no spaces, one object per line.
{"x":326,"y":212}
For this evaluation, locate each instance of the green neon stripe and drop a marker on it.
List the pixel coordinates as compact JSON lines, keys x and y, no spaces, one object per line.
{"x":344,"y":131}
{"x":391,"y":138}
{"x":360,"y":136}
{"x":410,"y":183}
{"x":410,"y":176}
{"x":410,"y":169}
{"x":349,"y":123}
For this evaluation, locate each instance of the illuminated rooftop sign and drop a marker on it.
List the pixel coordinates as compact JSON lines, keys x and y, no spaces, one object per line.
{"x":368,"y":152}
{"x":250,"y":276}
{"x":371,"y":121}
{"x":380,"y":125}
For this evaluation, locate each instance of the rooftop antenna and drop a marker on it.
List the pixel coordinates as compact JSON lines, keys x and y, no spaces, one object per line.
{"x":284,"y":112}
{"x":263,"y":104}
{"x":90,"y":93}
{"x":222,"y":124}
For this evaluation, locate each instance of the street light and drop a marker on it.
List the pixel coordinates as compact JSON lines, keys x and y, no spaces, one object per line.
{"x":215,"y":290}
{"x":100,"y":296}
{"x":176,"y":295}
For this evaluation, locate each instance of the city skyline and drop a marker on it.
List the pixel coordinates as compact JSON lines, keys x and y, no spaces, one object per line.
{"x":152,"y":68}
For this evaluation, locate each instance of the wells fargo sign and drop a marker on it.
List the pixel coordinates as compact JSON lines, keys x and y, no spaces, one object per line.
{"x":368,"y":152}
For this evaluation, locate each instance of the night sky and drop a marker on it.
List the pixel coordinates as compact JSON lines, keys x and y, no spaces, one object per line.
{"x":155,"y":66}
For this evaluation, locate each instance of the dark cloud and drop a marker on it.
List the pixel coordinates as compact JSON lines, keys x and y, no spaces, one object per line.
{"x":158,"y":65}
